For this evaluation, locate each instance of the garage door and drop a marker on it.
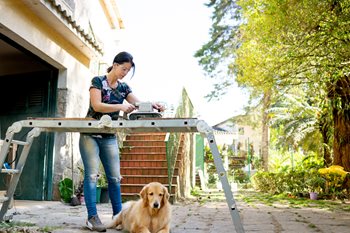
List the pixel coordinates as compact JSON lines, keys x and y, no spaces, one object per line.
{"x":30,"y":95}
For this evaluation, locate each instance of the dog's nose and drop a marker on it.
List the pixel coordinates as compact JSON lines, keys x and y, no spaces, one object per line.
{"x":156,"y":205}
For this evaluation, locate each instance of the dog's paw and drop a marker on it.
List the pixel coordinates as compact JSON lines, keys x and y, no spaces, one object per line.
{"x":119,"y":227}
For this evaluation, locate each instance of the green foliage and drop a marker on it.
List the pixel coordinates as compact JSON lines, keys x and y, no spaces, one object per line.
{"x":280,"y":48}
{"x":15,"y":227}
{"x":257,"y":163}
{"x":102,"y":179}
{"x":234,"y":175}
{"x":195,"y":192}
{"x":290,"y":201}
{"x":264,"y":182}
{"x":315,"y":183}
{"x":208,"y":155}
{"x":281,"y":161}
{"x":290,"y":182}
{"x":6,"y":225}
{"x":65,"y":188}
{"x":296,"y":180}
{"x":212,"y":180}
{"x":224,"y":37}
{"x":296,"y":121}
{"x":239,"y":176}
{"x":334,"y":177}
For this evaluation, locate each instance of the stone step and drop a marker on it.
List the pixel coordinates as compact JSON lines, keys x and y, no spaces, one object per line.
{"x":136,"y":188}
{"x":136,"y":196}
{"x":143,"y":160}
{"x":145,"y":179}
{"x":143,"y":149}
{"x":130,"y":143}
{"x":146,"y":171}
{"x":146,"y":163}
{"x":143,"y":156}
{"x":145,"y":136}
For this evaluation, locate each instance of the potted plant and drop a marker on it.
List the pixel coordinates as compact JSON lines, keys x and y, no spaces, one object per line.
{"x":65,"y":188}
{"x":102,"y":187}
{"x":79,"y":192}
{"x":314,"y":184}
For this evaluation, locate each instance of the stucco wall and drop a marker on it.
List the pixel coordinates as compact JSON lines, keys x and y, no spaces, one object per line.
{"x":21,"y":23}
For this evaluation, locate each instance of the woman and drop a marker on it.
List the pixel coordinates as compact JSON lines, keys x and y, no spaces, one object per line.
{"x":107,"y":95}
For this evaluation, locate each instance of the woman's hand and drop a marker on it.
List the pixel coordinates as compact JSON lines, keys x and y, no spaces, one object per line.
{"x":128,"y":108}
{"x":158,"y":107}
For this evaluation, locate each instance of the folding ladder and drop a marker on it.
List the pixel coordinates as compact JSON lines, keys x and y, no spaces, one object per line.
{"x":106,"y":125}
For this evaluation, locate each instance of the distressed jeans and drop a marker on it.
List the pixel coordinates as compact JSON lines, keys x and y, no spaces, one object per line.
{"x":94,"y":149}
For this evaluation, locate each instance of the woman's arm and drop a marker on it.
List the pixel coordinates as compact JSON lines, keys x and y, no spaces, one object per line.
{"x":132,"y":99}
{"x":99,"y":106}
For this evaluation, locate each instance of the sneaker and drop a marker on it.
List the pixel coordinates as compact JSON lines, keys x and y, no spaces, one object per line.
{"x":94,"y":223}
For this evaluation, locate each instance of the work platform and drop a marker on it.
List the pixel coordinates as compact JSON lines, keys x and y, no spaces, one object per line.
{"x":106,"y":125}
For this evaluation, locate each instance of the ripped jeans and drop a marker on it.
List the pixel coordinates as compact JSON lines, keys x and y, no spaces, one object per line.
{"x":94,"y":149}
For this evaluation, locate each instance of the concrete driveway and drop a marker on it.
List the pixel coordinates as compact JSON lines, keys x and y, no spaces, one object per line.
{"x":190,"y":216}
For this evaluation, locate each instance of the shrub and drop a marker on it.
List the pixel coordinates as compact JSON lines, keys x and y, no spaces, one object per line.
{"x":334,"y":176}
{"x":292,"y":182}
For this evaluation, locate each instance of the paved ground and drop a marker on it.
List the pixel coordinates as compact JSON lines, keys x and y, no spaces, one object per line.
{"x":190,"y":217}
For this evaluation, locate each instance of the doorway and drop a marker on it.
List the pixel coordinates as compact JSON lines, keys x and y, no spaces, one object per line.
{"x":28,"y":89}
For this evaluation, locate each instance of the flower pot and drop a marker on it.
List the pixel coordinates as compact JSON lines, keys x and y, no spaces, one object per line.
{"x":82,"y":199}
{"x":98,"y":194}
{"x":313,"y":195}
{"x":104,"y":195}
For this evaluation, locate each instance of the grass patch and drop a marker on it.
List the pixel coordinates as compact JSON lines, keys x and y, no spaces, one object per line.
{"x":254,"y":198}
{"x":6,"y":225}
{"x":17,"y":227}
{"x":312,"y":225}
{"x":208,"y":196}
{"x":251,"y":197}
{"x":195,"y":192}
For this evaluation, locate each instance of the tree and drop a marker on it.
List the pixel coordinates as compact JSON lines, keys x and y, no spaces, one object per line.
{"x":218,"y":55}
{"x":297,"y":118}
{"x":271,"y":46}
{"x":312,"y":38}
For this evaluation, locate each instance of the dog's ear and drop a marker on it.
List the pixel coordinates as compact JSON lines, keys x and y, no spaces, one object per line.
{"x":166,"y":195}
{"x":143,"y":195}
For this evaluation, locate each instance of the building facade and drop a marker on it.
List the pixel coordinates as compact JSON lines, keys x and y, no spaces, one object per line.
{"x":49,"y":51}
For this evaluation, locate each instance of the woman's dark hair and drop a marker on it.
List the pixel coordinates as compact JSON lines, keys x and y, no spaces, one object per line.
{"x":123,"y":57}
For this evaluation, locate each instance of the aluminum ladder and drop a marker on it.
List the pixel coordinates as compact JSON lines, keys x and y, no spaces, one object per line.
{"x":107,"y":125}
{"x":14,"y":173}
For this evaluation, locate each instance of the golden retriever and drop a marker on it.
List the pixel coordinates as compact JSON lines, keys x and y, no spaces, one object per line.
{"x":150,"y":214}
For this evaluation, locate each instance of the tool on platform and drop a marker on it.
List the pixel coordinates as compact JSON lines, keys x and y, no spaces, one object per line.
{"x":144,"y":110}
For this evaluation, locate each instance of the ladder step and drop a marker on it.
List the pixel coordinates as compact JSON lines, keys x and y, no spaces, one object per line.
{"x":19,"y":142}
{"x":10,"y":171}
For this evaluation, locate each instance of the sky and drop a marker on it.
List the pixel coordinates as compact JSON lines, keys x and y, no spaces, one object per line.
{"x":162,"y":36}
